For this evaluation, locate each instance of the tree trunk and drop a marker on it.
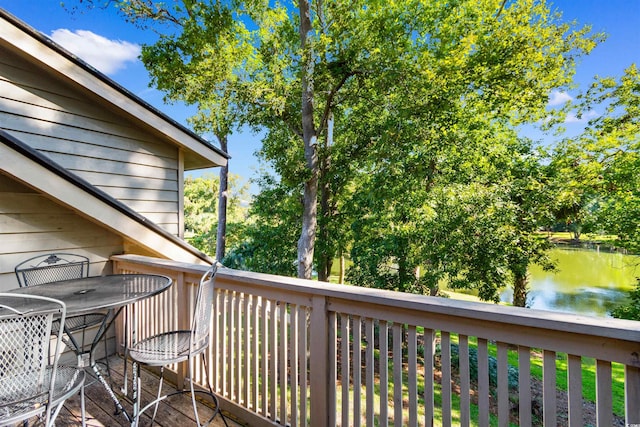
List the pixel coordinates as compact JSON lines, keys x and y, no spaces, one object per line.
{"x":405,"y":274}
{"x":520,"y":289}
{"x":325,"y":258}
{"x":306,"y":243}
{"x":221,"y":237}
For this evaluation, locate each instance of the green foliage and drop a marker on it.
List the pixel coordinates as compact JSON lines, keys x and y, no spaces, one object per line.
{"x":200,"y":201}
{"x":597,"y":172}
{"x":631,"y":310}
{"x":475,"y":235}
{"x":512,"y":372}
{"x":443,"y":183}
{"x":200,"y":211}
{"x":268,"y":243}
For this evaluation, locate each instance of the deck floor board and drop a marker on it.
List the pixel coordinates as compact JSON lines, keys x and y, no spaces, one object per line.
{"x":100,"y":410}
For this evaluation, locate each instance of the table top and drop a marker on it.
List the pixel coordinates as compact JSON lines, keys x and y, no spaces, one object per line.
{"x":100,"y":292}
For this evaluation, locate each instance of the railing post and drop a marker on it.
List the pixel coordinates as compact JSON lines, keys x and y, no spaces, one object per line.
{"x":119,"y":322}
{"x":319,"y":356}
{"x":183,"y":323}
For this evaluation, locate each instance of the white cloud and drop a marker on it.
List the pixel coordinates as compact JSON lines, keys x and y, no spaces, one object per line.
{"x":572,"y":118}
{"x":108,"y":56}
{"x":559,"y":98}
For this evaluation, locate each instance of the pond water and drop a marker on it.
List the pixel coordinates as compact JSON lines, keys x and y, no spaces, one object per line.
{"x":587,"y":282}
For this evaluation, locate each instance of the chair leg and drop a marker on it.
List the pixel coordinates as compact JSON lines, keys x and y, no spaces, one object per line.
{"x":193,"y":393}
{"x":155,"y":409}
{"x":53,"y":414}
{"x":137,"y":395}
{"x":213,"y":396}
{"x":82,"y":408}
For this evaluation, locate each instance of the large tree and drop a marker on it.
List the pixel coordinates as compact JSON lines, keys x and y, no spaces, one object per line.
{"x":269,"y":58}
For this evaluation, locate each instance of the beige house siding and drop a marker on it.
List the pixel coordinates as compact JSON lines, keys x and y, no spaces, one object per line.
{"x":31,"y":224}
{"x":72,"y":127}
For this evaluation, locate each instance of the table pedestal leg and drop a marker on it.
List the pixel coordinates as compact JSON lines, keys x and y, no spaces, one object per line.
{"x":116,"y":401}
{"x":93,"y":364}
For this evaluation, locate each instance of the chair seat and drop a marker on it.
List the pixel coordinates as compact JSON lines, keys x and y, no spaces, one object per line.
{"x":68,"y":381}
{"x":24,"y":402}
{"x":162,"y":349}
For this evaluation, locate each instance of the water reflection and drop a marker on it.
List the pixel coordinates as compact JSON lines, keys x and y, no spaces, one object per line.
{"x":588,"y":282}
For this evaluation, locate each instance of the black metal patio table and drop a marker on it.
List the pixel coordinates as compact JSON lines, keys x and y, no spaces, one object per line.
{"x":91,"y":294}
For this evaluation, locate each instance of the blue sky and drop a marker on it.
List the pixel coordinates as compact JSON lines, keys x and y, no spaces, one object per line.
{"x":108,"y":43}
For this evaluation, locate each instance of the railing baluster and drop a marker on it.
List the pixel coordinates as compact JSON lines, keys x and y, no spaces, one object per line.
{"x":273,"y":362}
{"x":632,"y":394}
{"x":216,"y":343}
{"x":247,"y":356}
{"x":255,"y":341}
{"x":604,"y":403}
{"x":429,"y":353}
{"x":282,"y":358}
{"x":304,"y":363}
{"x":574,"y":379}
{"x":383,"y":342}
{"x":239,"y":360}
{"x":333,"y":367}
{"x":549,"y":406}
{"x":233,"y":354}
{"x":465,"y":380}
{"x":483,"y":383}
{"x":503,"y":385}
{"x":264,"y":354}
{"x":445,"y":361}
{"x":369,"y":367}
{"x":397,"y":373}
{"x":225,"y":346}
{"x":412,"y":379}
{"x":524,"y":386}
{"x":357,"y":370}
{"x":293,"y":362}
{"x":345,"y":364}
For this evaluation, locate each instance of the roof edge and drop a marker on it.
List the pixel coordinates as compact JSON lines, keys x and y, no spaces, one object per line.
{"x":22,"y":148}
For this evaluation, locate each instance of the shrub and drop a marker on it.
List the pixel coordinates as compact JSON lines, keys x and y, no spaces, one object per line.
{"x":630,"y":311}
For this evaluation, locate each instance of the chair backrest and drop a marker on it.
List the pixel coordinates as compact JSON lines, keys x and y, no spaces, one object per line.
{"x":51,"y":268}
{"x":26,"y":377}
{"x":201,"y":323}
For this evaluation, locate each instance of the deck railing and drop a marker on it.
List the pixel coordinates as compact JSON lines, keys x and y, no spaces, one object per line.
{"x":293,"y":352}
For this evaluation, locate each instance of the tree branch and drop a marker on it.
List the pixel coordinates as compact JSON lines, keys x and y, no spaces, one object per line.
{"x":332,"y":94}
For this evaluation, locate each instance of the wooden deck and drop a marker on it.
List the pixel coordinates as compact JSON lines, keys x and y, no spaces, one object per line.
{"x":100,"y":410}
